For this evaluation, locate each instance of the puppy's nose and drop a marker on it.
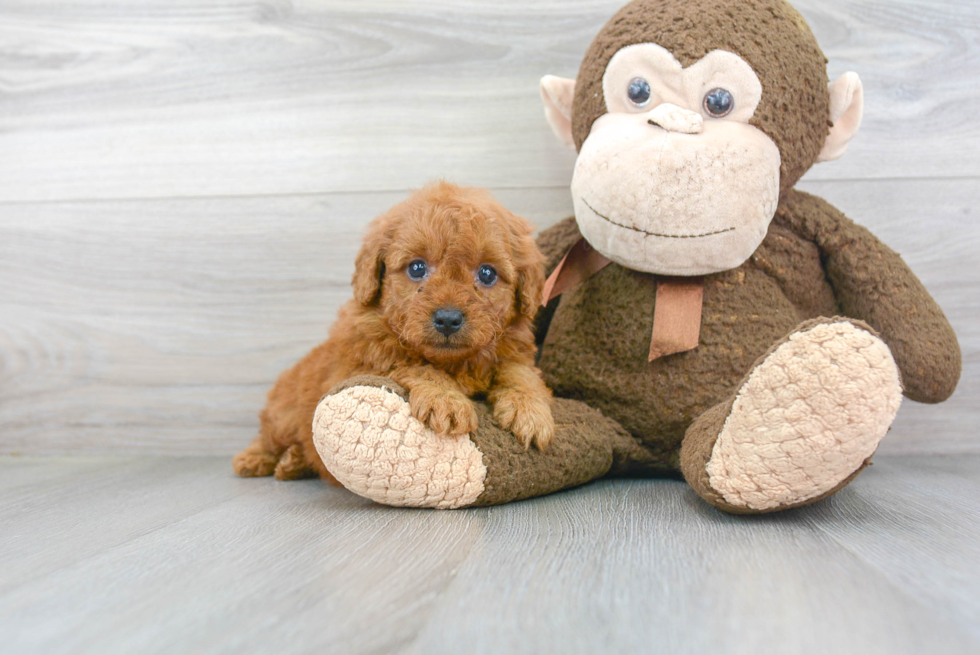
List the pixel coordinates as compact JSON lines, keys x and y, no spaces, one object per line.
{"x":448,"y":320}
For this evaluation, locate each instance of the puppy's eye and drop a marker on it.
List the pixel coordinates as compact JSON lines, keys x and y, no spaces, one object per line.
{"x":417,"y":270}
{"x":487,"y":275}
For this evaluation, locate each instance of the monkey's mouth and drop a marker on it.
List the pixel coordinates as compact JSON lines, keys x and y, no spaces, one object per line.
{"x":656,"y":234}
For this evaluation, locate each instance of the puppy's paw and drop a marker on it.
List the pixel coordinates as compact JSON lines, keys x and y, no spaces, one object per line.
{"x":528,"y":417}
{"x":445,"y":412}
{"x":254,"y":462}
{"x":293,"y":465}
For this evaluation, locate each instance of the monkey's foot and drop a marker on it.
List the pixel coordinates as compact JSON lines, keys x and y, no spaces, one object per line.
{"x":802,"y":425}
{"x":370,"y":442}
{"x":368,"y":439}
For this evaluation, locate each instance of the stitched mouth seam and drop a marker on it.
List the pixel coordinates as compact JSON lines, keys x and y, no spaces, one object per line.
{"x":655,"y":234}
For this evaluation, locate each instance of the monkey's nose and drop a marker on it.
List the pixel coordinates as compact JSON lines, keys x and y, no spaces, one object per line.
{"x":448,"y":320}
{"x":675,"y":119}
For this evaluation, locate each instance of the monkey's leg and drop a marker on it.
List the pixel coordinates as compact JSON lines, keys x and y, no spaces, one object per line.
{"x":802,"y":424}
{"x":368,"y":439}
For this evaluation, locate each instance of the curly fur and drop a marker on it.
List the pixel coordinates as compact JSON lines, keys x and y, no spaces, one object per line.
{"x":387,"y":329}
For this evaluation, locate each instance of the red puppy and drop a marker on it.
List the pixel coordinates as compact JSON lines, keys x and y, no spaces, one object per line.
{"x":446,"y":286}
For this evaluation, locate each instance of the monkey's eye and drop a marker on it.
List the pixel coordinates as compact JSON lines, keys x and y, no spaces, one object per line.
{"x":487,"y":275}
{"x":417,"y":270}
{"x":639,"y":92}
{"x":719,"y":103}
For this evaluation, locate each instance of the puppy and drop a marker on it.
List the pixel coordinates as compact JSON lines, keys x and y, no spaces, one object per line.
{"x":446,"y":286}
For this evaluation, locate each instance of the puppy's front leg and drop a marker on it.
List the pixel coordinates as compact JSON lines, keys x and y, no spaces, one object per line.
{"x":522,"y":404}
{"x":437,"y":400}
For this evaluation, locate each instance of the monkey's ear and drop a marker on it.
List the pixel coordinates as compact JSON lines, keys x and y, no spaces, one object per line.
{"x":369,"y":267}
{"x":846,"y":110}
{"x":557,"y":94}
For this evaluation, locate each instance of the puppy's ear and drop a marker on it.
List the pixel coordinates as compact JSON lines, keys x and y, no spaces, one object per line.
{"x":529,"y":263}
{"x":369,"y":267}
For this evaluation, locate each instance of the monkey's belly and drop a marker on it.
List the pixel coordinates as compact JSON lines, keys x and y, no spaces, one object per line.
{"x":598,"y":341}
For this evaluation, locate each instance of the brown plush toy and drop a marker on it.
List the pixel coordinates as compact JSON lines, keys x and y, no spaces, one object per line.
{"x":725,"y":326}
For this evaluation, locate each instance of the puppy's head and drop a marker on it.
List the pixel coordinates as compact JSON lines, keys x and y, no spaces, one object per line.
{"x":449,"y":269}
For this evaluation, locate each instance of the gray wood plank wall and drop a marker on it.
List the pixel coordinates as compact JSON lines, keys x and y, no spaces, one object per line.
{"x":183,"y":185}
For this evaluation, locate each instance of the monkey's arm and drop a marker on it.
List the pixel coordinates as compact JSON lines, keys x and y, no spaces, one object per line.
{"x":554,"y":243}
{"x":873,"y":284}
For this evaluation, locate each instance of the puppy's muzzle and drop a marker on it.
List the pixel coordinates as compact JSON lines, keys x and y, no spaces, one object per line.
{"x":448,"y":320}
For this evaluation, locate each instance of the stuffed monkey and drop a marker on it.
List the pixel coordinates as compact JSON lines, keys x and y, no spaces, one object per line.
{"x":702,"y":318}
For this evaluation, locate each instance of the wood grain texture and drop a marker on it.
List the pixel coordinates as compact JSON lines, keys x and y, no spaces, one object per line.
{"x":235,"y":97}
{"x":148,"y":493}
{"x":885,"y":567}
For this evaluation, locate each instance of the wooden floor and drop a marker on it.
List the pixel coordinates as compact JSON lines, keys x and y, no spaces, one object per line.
{"x":175,"y":555}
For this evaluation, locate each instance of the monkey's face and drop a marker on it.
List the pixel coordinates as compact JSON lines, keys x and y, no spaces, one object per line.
{"x":673,"y":179}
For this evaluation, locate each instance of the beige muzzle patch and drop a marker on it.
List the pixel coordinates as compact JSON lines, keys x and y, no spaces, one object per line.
{"x":807,"y":418}
{"x":369,"y":440}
